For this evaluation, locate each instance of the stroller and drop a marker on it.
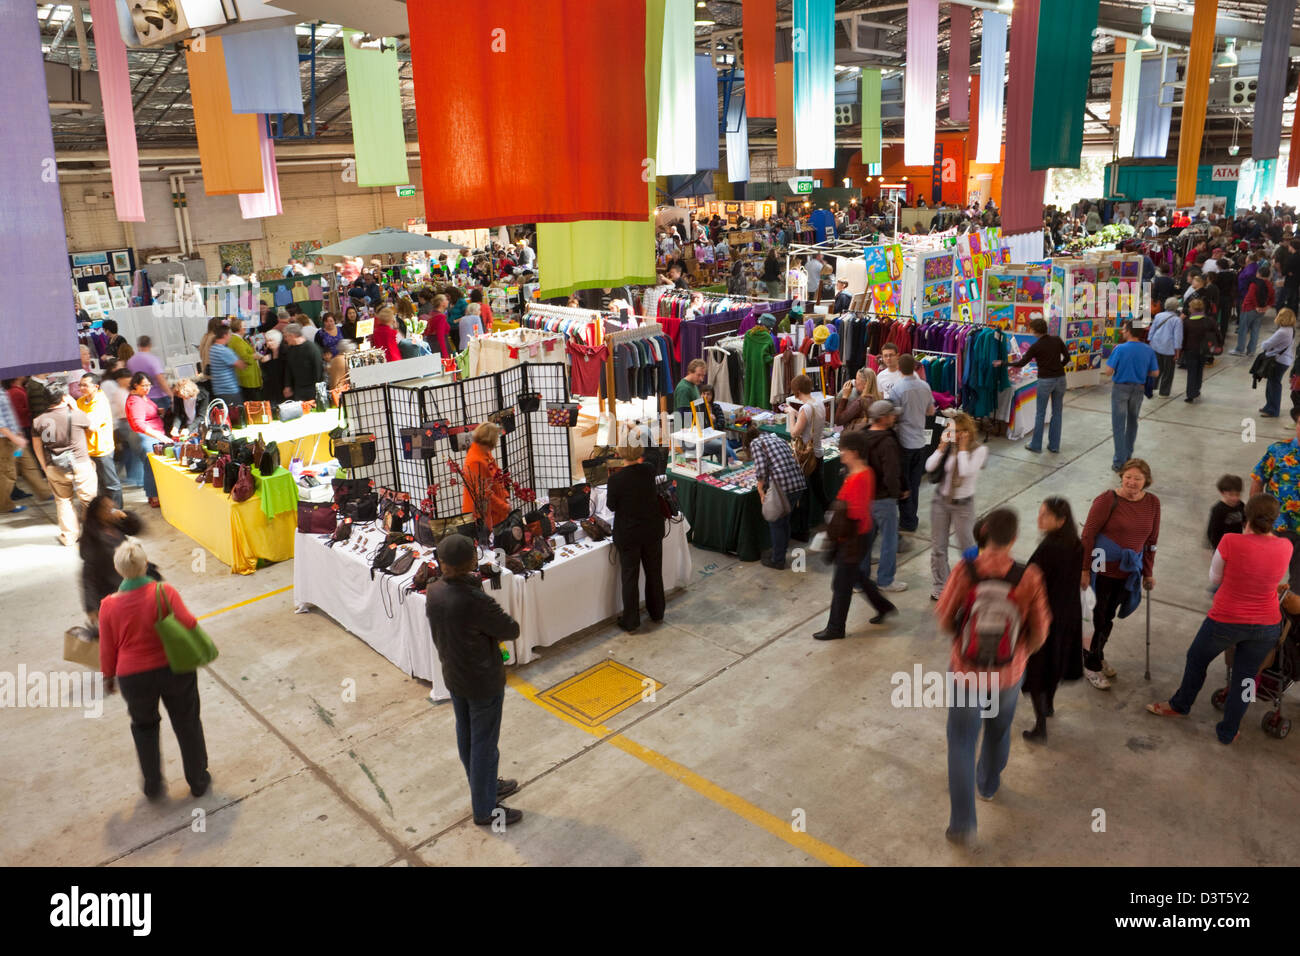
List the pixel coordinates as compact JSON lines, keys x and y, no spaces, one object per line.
{"x":1281,"y":669}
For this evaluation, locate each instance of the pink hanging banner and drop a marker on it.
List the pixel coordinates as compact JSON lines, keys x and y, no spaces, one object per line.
{"x":1022,"y":188}
{"x":267,"y":202}
{"x":119,"y":114}
{"x":959,"y":64}
{"x":920,"y":82}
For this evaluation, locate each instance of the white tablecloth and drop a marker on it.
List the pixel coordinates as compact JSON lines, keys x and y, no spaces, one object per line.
{"x":575,"y":593}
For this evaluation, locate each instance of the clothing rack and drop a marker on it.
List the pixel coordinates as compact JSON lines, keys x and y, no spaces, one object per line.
{"x":615,"y":338}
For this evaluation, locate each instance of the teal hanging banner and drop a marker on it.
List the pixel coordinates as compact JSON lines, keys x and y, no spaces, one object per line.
{"x":813,"y":44}
{"x":1064,"y":63}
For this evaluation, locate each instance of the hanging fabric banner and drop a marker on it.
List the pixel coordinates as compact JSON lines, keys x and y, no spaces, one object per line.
{"x":600,"y":254}
{"x":993,"y":67}
{"x":814,"y":83}
{"x":267,"y":202}
{"x":375,"y":102}
{"x":578,"y":151}
{"x":1293,"y":161}
{"x":1117,"y":74}
{"x":785,"y":114}
{"x":677,"y":92}
{"x":1128,"y":110}
{"x":758,"y":18}
{"x":1022,"y":188}
{"x":1151,"y":124}
{"x":37,"y":333}
{"x":1064,"y":64}
{"x":737,"y":138}
{"x":1195,"y":96}
{"x":920,"y":83}
{"x":871,"y":136}
{"x":959,"y":64}
{"x":706,"y":113}
{"x":262,"y":66}
{"x":1274,"y":59}
{"x":119,"y":114}
{"x":228,"y":143}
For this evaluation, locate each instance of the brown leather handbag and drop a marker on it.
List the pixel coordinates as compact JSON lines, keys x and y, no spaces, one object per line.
{"x":244,"y":485}
{"x":257,"y":413}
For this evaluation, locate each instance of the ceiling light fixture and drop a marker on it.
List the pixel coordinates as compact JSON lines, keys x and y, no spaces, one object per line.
{"x":1228,"y":58}
{"x":1147,"y":43}
{"x":1006,"y":6}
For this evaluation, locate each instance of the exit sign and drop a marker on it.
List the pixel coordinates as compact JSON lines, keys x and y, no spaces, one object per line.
{"x":803,"y":186}
{"x":405,"y":192}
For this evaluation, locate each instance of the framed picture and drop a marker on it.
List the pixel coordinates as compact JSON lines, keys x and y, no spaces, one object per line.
{"x":117,"y":296}
{"x":121,"y":262}
{"x":78,"y":272}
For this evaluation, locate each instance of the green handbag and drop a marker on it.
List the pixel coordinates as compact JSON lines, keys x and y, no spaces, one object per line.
{"x":187,"y":649}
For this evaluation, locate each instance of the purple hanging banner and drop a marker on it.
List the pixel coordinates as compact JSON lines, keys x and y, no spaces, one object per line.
{"x":37,"y":328}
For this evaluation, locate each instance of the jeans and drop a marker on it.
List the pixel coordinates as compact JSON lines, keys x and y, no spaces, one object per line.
{"x":945,"y":515}
{"x":109,"y":483}
{"x":1252,"y":643}
{"x":913,"y":469}
{"x":845,"y":576}
{"x":780,"y":530}
{"x":1195,"y":373}
{"x":1054,"y":389}
{"x":1273,"y":389}
{"x":964,"y":773}
{"x":1248,"y":331}
{"x":634,"y":556}
{"x":1166,"y":381}
{"x":1125,"y":404}
{"x":180,"y":695}
{"x":884,"y":523}
{"x":478,"y":727}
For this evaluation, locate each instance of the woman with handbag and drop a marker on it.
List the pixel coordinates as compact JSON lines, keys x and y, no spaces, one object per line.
{"x":484,"y":493}
{"x":954,"y":466}
{"x":132,"y":657}
{"x":104,"y":528}
{"x":780,"y":482}
{"x":1280,"y":349}
{"x":852,"y":508}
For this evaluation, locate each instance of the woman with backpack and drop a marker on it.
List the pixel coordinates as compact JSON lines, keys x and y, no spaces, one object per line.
{"x":1061,"y":656}
{"x":1006,"y":596}
{"x":1123,"y":526}
{"x":1257,"y":300}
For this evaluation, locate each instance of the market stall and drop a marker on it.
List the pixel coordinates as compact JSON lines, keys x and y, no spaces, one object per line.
{"x":305,"y":438}
{"x":239,"y":534}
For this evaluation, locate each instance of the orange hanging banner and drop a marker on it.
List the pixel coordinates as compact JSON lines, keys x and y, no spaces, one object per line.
{"x":785,"y":113}
{"x":758,"y":24}
{"x":1117,"y":85}
{"x":230,"y":150}
{"x":1195,"y":97}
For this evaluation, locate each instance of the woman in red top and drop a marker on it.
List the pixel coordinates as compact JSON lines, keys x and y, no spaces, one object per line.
{"x":385,"y":335}
{"x":483,"y":493}
{"x":1245,"y":616}
{"x":131,"y":656}
{"x":435,"y":333}
{"x":857,"y":493}
{"x":484,"y":310}
{"x":143,"y":417}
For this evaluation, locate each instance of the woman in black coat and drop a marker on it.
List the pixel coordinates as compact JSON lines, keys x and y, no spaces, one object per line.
{"x":1059,"y":556}
{"x":638,"y":536}
{"x":104,"y":528}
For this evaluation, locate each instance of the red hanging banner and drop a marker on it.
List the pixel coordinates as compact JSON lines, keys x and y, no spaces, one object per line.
{"x":759,"y":60}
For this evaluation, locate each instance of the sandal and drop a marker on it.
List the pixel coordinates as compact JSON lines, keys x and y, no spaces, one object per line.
{"x":1162,"y":709}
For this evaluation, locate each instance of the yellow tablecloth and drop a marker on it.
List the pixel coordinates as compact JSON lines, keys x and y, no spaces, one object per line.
{"x":237,"y":534}
{"x":306,"y":438}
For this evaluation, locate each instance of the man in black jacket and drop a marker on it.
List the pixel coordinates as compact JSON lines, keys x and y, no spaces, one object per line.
{"x":885,"y":458}
{"x":467,"y":627}
{"x":303,"y":365}
{"x":638,"y":536}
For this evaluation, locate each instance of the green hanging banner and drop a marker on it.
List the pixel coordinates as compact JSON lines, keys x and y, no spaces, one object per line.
{"x":871,"y":145}
{"x":375,"y":99}
{"x":1064,"y":63}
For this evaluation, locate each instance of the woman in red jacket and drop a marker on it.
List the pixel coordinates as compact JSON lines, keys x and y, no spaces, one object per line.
{"x":483,"y":493}
{"x":143,"y":417}
{"x":385,"y":335}
{"x":132,"y":656}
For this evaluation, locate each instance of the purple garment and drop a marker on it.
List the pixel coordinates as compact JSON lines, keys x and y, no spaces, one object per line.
{"x":1243,"y":280}
{"x":152,"y":366}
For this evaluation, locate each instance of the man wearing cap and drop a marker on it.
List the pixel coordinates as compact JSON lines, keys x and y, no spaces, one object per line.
{"x":915,"y":401}
{"x":468,"y":627}
{"x":885,"y":459}
{"x":303,"y":365}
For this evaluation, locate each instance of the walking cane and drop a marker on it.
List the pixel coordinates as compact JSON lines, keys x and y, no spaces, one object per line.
{"x":1147,"y":601}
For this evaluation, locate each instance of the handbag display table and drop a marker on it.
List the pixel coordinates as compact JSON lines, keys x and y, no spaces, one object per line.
{"x":237,"y":533}
{"x":575,"y":593}
{"x":306,"y":438}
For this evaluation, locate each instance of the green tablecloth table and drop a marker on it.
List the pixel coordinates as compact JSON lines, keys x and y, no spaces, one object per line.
{"x":278,"y":493}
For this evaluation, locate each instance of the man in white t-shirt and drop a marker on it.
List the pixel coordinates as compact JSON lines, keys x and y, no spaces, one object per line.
{"x":814,"y":268}
{"x":889,"y":376}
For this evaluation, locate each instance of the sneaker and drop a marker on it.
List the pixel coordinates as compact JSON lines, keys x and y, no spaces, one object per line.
{"x":1097,"y":679}
{"x":1236,"y":352}
{"x":989,"y":798}
{"x":894,"y":588}
{"x":16,"y":509}
{"x":935,"y":595}
{"x":1108,"y":670}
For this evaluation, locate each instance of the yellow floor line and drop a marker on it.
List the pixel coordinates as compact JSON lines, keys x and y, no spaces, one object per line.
{"x":741,"y":807}
{"x":252,"y":600}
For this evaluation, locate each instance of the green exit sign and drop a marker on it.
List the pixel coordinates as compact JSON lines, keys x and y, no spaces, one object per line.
{"x":405,"y":192}
{"x":805,"y":186}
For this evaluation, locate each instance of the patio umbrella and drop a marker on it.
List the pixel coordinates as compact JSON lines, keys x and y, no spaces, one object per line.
{"x":387,"y":240}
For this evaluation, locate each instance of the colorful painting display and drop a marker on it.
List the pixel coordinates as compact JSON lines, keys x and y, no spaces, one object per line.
{"x":1014,"y":296}
{"x":884,"y":278}
{"x":927,"y":284}
{"x":1089,"y":299}
{"x":976,"y":251}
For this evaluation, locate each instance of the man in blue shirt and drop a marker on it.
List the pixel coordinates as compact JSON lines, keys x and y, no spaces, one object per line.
{"x":223,"y":364}
{"x":1166,"y":337}
{"x":1130,"y":366}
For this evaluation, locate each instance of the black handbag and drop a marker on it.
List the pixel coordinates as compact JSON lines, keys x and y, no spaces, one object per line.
{"x":529,"y":402}
{"x":402,"y":563}
{"x":504,"y":419}
{"x":394,"y":515}
{"x":362,"y":508}
{"x":567,"y":531}
{"x":357,"y":451}
{"x":342,"y":532}
{"x":270,"y":462}
{"x":509,"y":534}
{"x":419,"y":443}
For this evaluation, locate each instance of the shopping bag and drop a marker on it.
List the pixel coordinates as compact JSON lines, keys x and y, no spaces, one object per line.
{"x":80,"y":646}
{"x":187,"y":648}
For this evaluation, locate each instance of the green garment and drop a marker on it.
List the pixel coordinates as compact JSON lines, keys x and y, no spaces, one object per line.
{"x":250,"y":376}
{"x":1061,"y":76}
{"x":130,"y":584}
{"x":685,"y":393}
{"x":784,"y":325}
{"x":756,"y":354}
{"x":277,"y":493}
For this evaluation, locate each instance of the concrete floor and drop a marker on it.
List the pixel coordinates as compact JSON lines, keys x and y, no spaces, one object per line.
{"x":763,"y":747}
